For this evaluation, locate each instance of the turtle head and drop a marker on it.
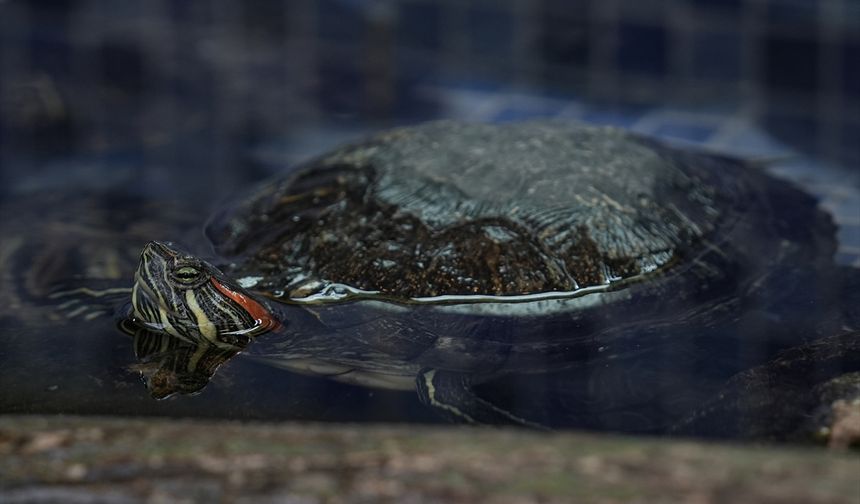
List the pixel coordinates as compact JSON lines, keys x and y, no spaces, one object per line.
{"x":182,"y":295}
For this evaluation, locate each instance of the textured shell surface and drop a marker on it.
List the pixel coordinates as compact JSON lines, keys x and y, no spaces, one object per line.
{"x":459,"y":209}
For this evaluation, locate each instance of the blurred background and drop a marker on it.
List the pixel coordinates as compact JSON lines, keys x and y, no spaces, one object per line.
{"x":209,"y":83}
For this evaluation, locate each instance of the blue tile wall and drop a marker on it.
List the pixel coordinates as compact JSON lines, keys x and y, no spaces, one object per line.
{"x":419,"y":25}
{"x":717,"y":56}
{"x":52,"y":53}
{"x":791,"y":64}
{"x":850,"y":18}
{"x":490,"y":30}
{"x":341,"y":20}
{"x":340,"y":87}
{"x":851,"y":142}
{"x":733,"y":6}
{"x":123,"y":66}
{"x":792,"y":12}
{"x":642,"y":49}
{"x":564,"y":32}
{"x":182,"y":10}
{"x":659,"y":53}
{"x":265,"y":19}
{"x":851,"y":70}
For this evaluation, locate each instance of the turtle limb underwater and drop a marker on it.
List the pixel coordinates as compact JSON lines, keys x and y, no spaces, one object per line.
{"x":796,"y":397}
{"x":452,"y":394}
{"x":443,"y":256}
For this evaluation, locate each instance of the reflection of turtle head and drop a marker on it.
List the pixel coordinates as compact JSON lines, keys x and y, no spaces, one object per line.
{"x":188,"y":298}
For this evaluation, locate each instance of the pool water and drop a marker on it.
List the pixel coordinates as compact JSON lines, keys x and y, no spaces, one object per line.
{"x":71,"y":358}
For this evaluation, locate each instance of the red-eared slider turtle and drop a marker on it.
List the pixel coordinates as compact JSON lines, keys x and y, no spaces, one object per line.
{"x":444,"y":255}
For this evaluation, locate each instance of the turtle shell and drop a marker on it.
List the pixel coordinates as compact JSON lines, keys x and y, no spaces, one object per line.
{"x":526,"y":209}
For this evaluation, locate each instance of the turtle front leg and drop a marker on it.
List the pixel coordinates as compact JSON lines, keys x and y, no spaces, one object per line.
{"x":450,"y":393}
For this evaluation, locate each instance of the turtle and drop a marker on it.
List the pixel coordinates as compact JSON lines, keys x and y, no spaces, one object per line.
{"x":446,"y":255}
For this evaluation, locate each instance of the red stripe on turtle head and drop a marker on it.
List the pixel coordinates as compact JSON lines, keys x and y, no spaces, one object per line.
{"x":256,"y":310}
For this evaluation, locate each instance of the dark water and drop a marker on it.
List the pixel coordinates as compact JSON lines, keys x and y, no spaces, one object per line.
{"x":56,"y":360}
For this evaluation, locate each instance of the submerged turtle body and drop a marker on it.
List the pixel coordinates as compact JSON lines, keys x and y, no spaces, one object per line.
{"x":455,"y":253}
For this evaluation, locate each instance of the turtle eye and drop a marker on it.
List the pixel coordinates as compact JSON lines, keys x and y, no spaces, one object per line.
{"x":187,"y":274}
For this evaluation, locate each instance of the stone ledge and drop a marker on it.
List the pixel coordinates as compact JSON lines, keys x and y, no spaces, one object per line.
{"x":94,"y":460}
